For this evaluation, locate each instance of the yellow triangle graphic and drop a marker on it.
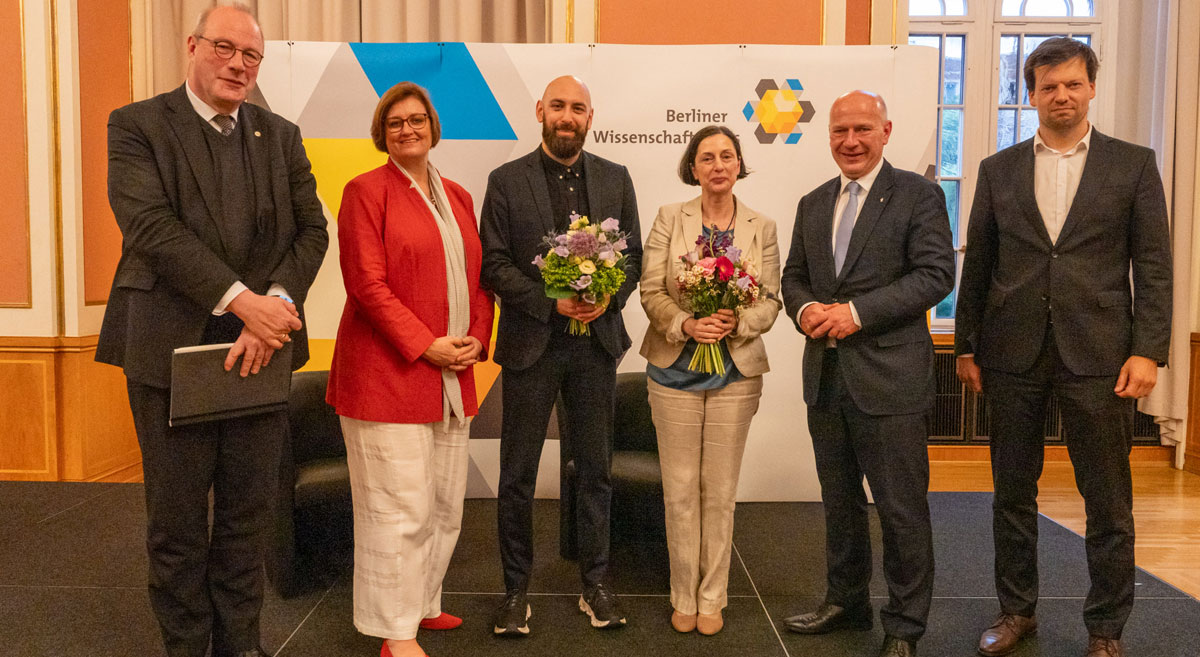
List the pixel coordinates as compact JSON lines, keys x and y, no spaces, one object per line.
{"x":336,"y":162}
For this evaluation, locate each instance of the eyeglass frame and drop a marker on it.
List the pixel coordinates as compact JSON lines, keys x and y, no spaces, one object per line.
{"x":216,"y":45}
{"x":406,"y":120}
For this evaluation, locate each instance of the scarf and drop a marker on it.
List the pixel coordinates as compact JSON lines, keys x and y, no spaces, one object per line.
{"x":457,"y":296}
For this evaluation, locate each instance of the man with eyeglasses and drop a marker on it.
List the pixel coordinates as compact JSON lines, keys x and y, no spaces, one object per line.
{"x":222,"y":237}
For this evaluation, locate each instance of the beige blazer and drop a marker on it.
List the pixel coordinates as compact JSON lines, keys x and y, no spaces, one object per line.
{"x":674,"y":233}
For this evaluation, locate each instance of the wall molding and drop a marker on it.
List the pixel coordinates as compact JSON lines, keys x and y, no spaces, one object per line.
{"x":28,"y":446}
{"x":69,"y":415}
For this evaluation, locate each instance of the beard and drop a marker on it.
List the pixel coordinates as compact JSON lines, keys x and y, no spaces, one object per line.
{"x":564,"y":148}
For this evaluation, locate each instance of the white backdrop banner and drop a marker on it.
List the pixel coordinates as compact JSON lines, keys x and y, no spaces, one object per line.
{"x":648,"y":102}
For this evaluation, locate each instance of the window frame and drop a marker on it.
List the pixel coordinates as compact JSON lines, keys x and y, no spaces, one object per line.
{"x":982,"y":27}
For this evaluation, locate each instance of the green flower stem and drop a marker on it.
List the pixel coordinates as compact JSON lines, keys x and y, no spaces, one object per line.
{"x":576,"y":327}
{"x":708,"y":359}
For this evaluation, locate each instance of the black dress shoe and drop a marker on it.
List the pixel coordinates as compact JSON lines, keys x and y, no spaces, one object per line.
{"x":893,"y":647}
{"x":828,"y":618}
{"x":257,"y":652}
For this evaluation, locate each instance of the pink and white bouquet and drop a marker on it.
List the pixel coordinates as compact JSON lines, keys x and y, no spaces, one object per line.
{"x":712,"y":277}
{"x":585,"y":262}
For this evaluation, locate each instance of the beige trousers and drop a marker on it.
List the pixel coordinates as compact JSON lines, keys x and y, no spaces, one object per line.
{"x":408,"y":482}
{"x":701,"y":439}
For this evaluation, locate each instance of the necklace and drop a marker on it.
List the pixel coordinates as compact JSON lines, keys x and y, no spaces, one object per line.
{"x":715,"y":225}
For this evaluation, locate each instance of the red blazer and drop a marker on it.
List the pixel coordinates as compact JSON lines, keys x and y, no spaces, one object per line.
{"x":394,"y":269}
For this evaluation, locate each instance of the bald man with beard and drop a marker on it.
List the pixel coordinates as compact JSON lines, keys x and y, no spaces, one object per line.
{"x":526,"y":199}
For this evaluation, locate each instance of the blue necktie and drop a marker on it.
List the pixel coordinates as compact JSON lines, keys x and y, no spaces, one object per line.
{"x":841,"y":241}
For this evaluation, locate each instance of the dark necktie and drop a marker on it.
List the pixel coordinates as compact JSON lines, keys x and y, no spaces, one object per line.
{"x":225,"y":122}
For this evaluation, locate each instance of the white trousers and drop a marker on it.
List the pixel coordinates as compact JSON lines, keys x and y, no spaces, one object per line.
{"x":701,"y":439}
{"x":408,"y":482}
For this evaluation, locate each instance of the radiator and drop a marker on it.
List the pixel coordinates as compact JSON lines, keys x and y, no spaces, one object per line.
{"x":960,"y":416}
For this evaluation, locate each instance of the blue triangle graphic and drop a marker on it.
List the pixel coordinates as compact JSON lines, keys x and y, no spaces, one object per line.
{"x":464,"y":103}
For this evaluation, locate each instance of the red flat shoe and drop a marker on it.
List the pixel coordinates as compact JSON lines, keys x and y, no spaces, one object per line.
{"x":385,"y":652}
{"x":442,"y":621}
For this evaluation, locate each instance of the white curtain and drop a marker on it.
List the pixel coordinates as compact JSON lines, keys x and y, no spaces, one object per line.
{"x":1173,"y":64}
{"x":492,"y":21}
{"x":507,"y":21}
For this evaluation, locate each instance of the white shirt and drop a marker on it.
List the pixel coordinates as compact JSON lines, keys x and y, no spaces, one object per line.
{"x":1056,"y":177}
{"x":865,"y":182}
{"x":207,"y":112}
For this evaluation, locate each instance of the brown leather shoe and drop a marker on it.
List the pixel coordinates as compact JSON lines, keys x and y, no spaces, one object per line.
{"x":1004,"y":635}
{"x":1101,"y":647}
{"x":896,"y":647}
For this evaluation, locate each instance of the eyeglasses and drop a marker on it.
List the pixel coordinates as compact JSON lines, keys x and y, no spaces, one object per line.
{"x":226,"y":50}
{"x":415,"y":121}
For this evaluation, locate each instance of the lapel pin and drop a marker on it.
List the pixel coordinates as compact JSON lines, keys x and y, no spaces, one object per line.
{"x":259,"y":134}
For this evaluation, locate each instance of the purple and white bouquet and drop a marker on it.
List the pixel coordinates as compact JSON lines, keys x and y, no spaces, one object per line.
{"x":714,"y":276}
{"x":585,"y":262}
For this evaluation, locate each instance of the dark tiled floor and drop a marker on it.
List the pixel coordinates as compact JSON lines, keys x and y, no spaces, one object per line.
{"x":72,"y":574}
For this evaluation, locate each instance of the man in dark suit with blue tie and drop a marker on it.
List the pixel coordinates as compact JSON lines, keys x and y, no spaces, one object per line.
{"x":527,"y":199}
{"x":222,"y":236}
{"x":871,"y":253}
{"x":1061,"y":225}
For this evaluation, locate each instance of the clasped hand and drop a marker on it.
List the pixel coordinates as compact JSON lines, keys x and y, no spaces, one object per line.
{"x":833,"y":320}
{"x":580,"y":310}
{"x":455,"y":354}
{"x":267,"y":321}
{"x":271,"y":319}
{"x":713,"y":328}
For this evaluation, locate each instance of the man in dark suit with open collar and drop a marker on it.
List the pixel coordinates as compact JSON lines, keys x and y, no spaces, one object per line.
{"x":1045,"y":307}
{"x":527,"y":199}
{"x":222,"y":236}
{"x":871,"y":253}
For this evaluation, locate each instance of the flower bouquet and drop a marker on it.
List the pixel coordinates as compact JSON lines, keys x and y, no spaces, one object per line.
{"x":712,"y":277}
{"x":584,"y":262}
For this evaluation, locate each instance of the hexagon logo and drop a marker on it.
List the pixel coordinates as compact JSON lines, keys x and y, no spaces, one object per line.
{"x":779,"y":111}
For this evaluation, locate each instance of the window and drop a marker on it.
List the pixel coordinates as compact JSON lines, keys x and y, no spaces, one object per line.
{"x":983,"y":105}
{"x":937,"y":7}
{"x":1016,"y":119}
{"x":949,"y":166}
{"x":1046,"y":8}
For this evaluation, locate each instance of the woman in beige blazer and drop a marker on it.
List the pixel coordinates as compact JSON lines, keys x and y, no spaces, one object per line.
{"x":702,"y":419}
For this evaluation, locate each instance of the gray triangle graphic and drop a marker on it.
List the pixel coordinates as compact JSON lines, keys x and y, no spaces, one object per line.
{"x":477,"y":485}
{"x":256,"y":97}
{"x":343,"y":103}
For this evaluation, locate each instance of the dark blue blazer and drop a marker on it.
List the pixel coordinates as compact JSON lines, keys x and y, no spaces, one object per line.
{"x":900,"y":262}
{"x":1015,"y":281}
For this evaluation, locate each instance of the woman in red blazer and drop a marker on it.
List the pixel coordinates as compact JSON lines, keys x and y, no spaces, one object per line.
{"x":415,"y":323}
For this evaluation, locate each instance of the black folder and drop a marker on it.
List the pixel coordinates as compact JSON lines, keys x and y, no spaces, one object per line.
{"x":202,"y":391}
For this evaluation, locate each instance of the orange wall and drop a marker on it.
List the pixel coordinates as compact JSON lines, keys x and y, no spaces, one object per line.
{"x":14,"y":179}
{"x":858,"y":22}
{"x":710,"y":21}
{"x":104,"y":85}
